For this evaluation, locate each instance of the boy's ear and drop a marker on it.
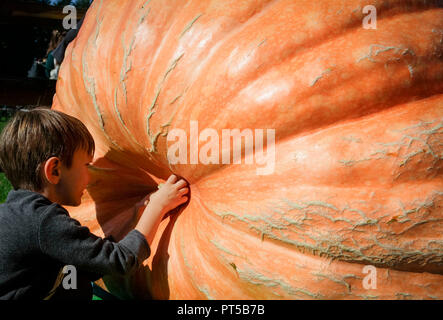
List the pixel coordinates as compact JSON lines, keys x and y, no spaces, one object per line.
{"x":51,"y":170}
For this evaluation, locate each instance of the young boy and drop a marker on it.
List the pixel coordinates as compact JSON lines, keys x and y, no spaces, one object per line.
{"x":45,"y":155}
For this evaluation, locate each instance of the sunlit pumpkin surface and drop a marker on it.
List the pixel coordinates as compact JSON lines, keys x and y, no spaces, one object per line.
{"x":358,"y":120}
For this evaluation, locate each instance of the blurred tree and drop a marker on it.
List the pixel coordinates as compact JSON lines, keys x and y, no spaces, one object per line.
{"x":21,"y":43}
{"x":62,"y":3}
{"x":82,"y":3}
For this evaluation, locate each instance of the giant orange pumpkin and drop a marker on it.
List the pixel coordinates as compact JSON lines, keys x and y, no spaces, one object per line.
{"x":358,"y":119}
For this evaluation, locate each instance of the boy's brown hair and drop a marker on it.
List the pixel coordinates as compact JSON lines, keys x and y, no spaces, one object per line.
{"x":33,"y":136}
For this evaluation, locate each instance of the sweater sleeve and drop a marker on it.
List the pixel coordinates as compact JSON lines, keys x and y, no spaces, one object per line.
{"x":64,"y":239}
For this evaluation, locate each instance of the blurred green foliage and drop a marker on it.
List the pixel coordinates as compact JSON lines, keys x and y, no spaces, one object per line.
{"x":5,"y":185}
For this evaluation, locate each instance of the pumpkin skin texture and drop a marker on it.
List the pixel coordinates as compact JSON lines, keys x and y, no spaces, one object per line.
{"x":358,"y":119}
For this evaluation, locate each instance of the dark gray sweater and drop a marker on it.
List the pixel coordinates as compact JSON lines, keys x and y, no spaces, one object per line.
{"x":38,"y":237}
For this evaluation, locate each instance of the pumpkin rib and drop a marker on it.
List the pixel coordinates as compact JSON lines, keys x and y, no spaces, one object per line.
{"x":347,"y":253}
{"x":311,"y":131}
{"x":165,"y":40}
{"x":408,"y":92}
{"x":123,"y":74}
{"x":262,"y":290}
{"x":412,"y":107}
{"x":158,"y":86}
{"x":315,"y":42}
{"x":368,"y":117}
{"x":343,"y":123}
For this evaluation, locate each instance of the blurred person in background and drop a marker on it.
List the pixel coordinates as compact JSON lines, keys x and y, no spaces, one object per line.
{"x":50,"y":65}
{"x":59,"y":51}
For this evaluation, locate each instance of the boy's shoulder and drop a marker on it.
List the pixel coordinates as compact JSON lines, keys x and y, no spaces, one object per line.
{"x":21,"y":218}
{"x":23,"y":196}
{"x":27,"y":204}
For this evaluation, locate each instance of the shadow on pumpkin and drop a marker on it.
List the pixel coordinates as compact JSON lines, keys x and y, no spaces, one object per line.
{"x":140,"y":284}
{"x":114,"y":190}
{"x":157,"y":278}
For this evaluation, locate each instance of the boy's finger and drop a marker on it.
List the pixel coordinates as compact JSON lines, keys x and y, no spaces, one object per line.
{"x":181,"y":183}
{"x":172,"y":178}
{"x":183,"y":190}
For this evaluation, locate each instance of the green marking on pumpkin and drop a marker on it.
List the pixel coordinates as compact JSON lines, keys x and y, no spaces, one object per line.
{"x":350,"y":163}
{"x":421,"y":138}
{"x":189,"y":266}
{"x":116,"y":108}
{"x":90,"y":88}
{"x":124,"y":69}
{"x":128,"y":50}
{"x":419,"y":224}
{"x":156,"y":136}
{"x":352,"y":139}
{"x":145,"y":4}
{"x":262,"y":231}
{"x":417,"y":125}
{"x":321,"y":204}
{"x":74,"y":59}
{"x":90,"y":83}
{"x":150,"y":114}
{"x":367,"y":296}
{"x":175,"y":99}
{"x":261,"y":43}
{"x":123,"y":73}
{"x":410,"y":256}
{"x":333,"y":279}
{"x":403,"y":295}
{"x":153,"y":139}
{"x":423,"y":205}
{"x":167,"y":125}
{"x":121,"y":120}
{"x":190,"y":24}
{"x":322,"y":243}
{"x":205,"y":291}
{"x":292,"y":222}
{"x":381,"y":48}
{"x":154,"y":142}
{"x":98,"y":23}
{"x":172,"y":66}
{"x":220,"y":247}
{"x":313,"y":82}
{"x":259,"y":279}
{"x":164,"y":130}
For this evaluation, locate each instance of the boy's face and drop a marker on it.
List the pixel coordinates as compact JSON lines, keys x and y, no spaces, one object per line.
{"x":73,"y":181}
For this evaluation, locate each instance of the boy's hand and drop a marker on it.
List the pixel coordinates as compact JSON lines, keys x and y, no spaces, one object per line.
{"x":171,"y":194}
